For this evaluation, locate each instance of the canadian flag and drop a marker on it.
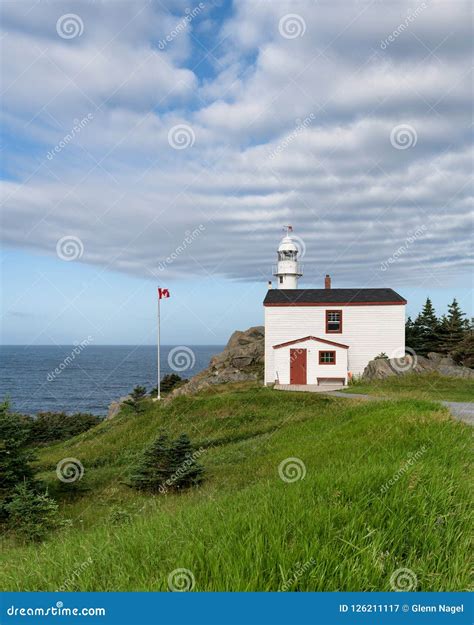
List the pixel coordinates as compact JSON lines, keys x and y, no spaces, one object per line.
{"x":163,"y":293}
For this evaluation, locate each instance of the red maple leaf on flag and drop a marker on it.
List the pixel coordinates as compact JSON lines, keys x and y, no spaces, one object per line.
{"x":163,"y":293}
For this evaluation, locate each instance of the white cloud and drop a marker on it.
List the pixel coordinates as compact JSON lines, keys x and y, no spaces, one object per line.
{"x":130,"y":197}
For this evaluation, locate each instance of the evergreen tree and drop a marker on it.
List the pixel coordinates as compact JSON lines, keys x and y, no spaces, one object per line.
{"x":31,"y":514}
{"x":14,"y":453}
{"x":168,"y":383}
{"x":463,"y":353}
{"x":136,"y":398}
{"x":443,"y":333}
{"x":187,"y":472}
{"x":453,"y":328}
{"x":26,"y":510}
{"x":412,"y":335}
{"x":167,"y":465}
{"x":427,"y":329}
{"x":154,"y":467}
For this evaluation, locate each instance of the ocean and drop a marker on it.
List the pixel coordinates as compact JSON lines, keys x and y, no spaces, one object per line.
{"x":87,"y":378}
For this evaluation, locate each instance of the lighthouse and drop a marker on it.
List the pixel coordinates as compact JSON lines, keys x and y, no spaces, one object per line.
{"x":288,"y":269}
{"x":324,"y":337}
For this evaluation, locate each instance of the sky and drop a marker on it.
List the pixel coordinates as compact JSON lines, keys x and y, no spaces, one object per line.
{"x":167,"y":144}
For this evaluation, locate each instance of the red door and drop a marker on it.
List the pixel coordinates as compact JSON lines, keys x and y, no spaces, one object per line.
{"x":297,"y":366}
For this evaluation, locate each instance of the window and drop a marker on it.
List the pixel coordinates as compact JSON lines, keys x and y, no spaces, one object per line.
{"x":281,"y":279}
{"x":287,"y":255}
{"x":334,"y":321}
{"x":327,"y":358}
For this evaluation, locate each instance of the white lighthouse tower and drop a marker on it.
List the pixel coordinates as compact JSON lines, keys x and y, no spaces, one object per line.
{"x":288,"y":269}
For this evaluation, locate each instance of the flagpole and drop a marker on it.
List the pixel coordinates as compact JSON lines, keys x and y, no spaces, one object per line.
{"x":158,"y":354}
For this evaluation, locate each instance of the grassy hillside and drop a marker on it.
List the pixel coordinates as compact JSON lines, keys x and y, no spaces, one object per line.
{"x":339,"y":528}
{"x":430,"y":386}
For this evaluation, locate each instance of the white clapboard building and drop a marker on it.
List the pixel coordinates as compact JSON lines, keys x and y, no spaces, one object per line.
{"x":325,"y":336}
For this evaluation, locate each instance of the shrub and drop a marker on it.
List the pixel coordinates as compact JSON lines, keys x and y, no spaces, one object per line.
{"x":119,"y":515}
{"x":168,"y":383}
{"x":58,"y":426}
{"x":136,"y":398}
{"x":14,"y":453}
{"x":168,"y":465}
{"x":32,"y":514}
{"x":464,"y":353}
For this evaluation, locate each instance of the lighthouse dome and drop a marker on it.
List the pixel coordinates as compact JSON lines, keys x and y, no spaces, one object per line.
{"x":287,"y":245}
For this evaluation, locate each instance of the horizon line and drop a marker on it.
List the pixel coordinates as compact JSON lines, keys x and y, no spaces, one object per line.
{"x":112,"y":345}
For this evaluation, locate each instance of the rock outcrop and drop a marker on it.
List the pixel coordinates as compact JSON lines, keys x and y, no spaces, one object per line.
{"x":241,"y":360}
{"x":115,"y":406}
{"x":381,"y":368}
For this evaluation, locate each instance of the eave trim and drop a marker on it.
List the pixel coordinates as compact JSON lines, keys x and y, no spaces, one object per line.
{"x":310,"y":338}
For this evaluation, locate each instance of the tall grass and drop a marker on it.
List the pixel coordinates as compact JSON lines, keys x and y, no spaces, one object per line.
{"x":339,"y":528}
{"x":429,"y":386}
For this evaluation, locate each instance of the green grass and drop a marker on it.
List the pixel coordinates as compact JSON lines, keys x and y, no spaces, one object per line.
{"x":339,"y":528}
{"x":430,"y":386}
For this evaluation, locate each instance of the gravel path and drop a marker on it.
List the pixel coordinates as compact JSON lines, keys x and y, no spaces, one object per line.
{"x":463,"y":411}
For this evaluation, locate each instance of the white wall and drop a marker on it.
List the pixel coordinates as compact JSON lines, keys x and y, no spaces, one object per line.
{"x":313,"y":369}
{"x":368,"y":330}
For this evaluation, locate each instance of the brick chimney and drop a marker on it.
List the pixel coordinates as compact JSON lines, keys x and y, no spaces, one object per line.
{"x":327,"y":281}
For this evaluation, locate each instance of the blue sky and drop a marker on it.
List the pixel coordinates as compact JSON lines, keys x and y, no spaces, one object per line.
{"x":167,"y":144}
